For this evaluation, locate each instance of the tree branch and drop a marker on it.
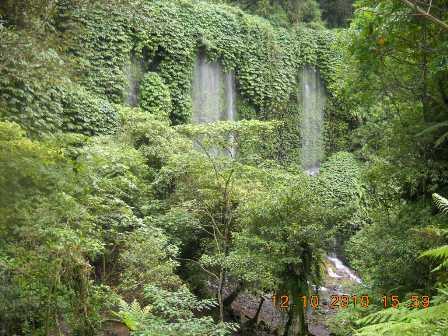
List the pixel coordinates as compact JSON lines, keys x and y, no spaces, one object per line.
{"x":200,"y":265}
{"x":425,"y":14}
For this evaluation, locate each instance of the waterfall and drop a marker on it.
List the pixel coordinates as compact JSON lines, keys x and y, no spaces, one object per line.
{"x":313,"y":103}
{"x":134,"y":74}
{"x":344,"y":271}
{"x":213,"y":92}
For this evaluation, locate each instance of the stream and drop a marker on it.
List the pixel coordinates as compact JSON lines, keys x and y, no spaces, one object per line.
{"x":338,"y":280}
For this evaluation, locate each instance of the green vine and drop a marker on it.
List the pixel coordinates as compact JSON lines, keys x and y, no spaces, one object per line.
{"x":155,"y":96}
{"x":102,"y":41}
{"x":167,"y":35}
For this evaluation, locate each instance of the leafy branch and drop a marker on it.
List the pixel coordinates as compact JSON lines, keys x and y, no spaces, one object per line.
{"x":426,"y":14}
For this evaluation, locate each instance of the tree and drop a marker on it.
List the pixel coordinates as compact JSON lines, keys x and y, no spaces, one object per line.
{"x":45,"y":226}
{"x":426,"y":13}
{"x":408,"y":63}
{"x":211,"y":182}
{"x":336,"y":13}
{"x":280,"y":248}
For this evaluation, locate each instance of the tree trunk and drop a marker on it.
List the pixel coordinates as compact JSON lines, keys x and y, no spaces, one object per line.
{"x":220,"y":295}
{"x":297,"y":287}
{"x":296,"y":325}
{"x":249,"y":325}
{"x":229,"y":299}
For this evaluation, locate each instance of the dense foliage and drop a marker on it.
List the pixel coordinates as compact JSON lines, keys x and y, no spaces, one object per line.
{"x":116,"y":210}
{"x":394,"y":82}
{"x":335,"y":13}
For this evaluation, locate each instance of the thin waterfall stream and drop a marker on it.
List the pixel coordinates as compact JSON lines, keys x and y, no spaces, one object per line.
{"x":134,"y":73}
{"x":342,"y":271}
{"x":213,"y":92}
{"x":312,"y":96}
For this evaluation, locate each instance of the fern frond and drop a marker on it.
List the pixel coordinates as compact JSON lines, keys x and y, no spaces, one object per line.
{"x":405,"y":321}
{"x":132,"y":315}
{"x":382,"y":316}
{"x":393,"y":328}
{"x":443,"y":293}
{"x":441,"y":203}
{"x":437,"y":253}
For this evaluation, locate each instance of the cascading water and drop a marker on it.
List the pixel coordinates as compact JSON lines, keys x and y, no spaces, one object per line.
{"x":213,"y":92}
{"x":342,"y":269}
{"x":134,"y":74}
{"x":313,"y":102}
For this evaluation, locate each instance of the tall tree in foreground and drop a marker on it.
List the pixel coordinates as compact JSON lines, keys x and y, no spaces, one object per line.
{"x":281,"y":245}
{"x":211,"y":181}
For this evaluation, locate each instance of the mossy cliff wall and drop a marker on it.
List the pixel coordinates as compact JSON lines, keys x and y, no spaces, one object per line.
{"x":165,"y":37}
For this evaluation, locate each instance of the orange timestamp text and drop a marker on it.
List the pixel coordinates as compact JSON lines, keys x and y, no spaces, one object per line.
{"x":283,"y":302}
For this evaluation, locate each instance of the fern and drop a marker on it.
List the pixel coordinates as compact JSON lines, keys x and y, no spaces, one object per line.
{"x":439,"y":253}
{"x":406,"y":321}
{"x":382,"y":316}
{"x":171,"y":314}
{"x":133,"y":315}
{"x":441,"y":203}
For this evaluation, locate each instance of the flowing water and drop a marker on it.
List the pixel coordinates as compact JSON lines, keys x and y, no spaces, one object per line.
{"x":312,"y":96}
{"x":342,"y":271}
{"x":213,"y":92}
{"x":134,"y":74}
{"x":338,"y":278}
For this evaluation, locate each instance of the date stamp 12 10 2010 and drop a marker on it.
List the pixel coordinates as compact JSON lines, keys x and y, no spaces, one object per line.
{"x":343,"y":301}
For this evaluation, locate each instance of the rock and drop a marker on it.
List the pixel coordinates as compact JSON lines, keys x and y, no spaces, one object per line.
{"x":115,"y":328}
